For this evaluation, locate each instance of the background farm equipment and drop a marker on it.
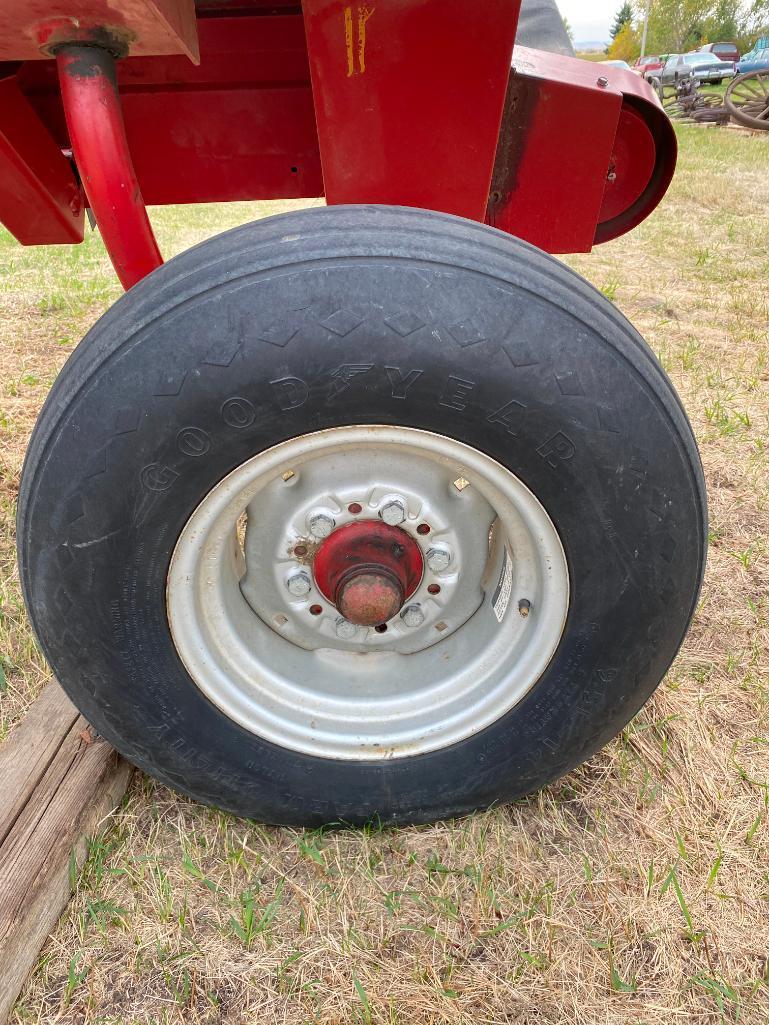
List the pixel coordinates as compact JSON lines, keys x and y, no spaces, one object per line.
{"x":745,"y":101}
{"x":686,"y":100}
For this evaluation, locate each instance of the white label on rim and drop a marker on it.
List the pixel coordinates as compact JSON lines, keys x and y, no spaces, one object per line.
{"x":504,"y":588}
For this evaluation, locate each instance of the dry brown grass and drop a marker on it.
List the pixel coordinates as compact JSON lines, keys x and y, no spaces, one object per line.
{"x":634,"y":892}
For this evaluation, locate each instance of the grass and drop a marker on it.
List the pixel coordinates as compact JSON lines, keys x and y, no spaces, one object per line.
{"x":633,"y":892}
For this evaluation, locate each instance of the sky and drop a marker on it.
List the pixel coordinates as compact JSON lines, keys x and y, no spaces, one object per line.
{"x":590,"y":19}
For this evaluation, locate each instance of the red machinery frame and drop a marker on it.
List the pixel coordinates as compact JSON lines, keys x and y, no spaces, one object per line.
{"x":414,"y":103}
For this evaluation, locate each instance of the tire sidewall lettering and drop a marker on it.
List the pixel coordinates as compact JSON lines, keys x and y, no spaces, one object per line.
{"x":291,"y":393}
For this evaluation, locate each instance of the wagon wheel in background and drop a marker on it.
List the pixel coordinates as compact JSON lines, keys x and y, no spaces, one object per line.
{"x":712,"y":100}
{"x":747,"y":100}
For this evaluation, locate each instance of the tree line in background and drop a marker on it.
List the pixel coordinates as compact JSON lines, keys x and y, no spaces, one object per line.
{"x":677,"y":26}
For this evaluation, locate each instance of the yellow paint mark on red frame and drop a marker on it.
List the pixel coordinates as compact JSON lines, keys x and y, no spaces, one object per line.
{"x":364,"y":13}
{"x":348,"y":38}
{"x":355,"y":38}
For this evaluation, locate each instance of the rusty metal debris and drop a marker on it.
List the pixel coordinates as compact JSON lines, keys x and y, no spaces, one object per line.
{"x":746,"y":102}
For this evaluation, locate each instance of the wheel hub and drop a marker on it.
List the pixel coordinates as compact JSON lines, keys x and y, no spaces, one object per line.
{"x":362,"y":522}
{"x":367,"y":570}
{"x":369,"y":598}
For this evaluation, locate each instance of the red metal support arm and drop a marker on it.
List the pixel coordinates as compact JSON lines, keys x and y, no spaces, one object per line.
{"x":100,"y":148}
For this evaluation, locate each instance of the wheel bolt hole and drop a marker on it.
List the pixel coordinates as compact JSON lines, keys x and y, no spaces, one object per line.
{"x":300,"y":551}
{"x":354,"y":508}
{"x":315,"y":610}
{"x":434,"y":589}
{"x":381,"y":629}
{"x":423,"y":528}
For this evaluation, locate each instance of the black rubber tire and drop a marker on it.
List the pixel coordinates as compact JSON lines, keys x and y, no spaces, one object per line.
{"x":331,"y":298}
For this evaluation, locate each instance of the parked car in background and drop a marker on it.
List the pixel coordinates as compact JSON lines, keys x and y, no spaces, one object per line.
{"x":758,"y":62}
{"x":672,"y":71}
{"x":703,"y":67}
{"x":645,"y":66}
{"x":761,"y":44}
{"x":724,"y":51}
{"x":618,"y":64}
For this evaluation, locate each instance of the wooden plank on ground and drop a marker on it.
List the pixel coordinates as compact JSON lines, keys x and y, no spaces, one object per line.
{"x":58,"y":783}
{"x":31,"y":749}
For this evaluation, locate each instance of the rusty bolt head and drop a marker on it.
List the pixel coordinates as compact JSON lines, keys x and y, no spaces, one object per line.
{"x":438,"y":559}
{"x":299,"y":584}
{"x":345,"y":631}
{"x":321,"y":525}
{"x":393,"y":512}
{"x":413,"y":616}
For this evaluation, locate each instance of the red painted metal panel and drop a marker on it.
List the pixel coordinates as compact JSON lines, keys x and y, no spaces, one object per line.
{"x":641,"y":120}
{"x":41,"y":203}
{"x":408,"y":98}
{"x":30,"y":28}
{"x":241,"y":126}
{"x":95,"y":122}
{"x":553,"y":160}
{"x":578,"y":161}
{"x":631,"y":166}
{"x":274,"y":153}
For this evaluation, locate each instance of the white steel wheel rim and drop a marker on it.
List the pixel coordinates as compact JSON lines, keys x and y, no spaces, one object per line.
{"x":288,"y":677}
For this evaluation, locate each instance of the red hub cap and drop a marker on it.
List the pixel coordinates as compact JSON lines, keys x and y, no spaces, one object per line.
{"x":368,"y":570}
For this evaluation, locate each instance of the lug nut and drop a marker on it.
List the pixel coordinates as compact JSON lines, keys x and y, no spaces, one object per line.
{"x":413,"y":615}
{"x":321,"y":525}
{"x":438,"y":559}
{"x":299,"y":585}
{"x":344,"y":630}
{"x":393,"y":513}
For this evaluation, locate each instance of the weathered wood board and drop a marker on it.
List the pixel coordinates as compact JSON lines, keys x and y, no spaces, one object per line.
{"x":58,"y":784}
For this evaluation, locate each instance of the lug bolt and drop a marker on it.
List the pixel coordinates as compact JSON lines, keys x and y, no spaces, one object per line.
{"x":394,"y":512}
{"x":438,"y":559}
{"x":299,"y":585}
{"x":413,"y":616}
{"x":344,"y":630}
{"x":321,"y":525}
